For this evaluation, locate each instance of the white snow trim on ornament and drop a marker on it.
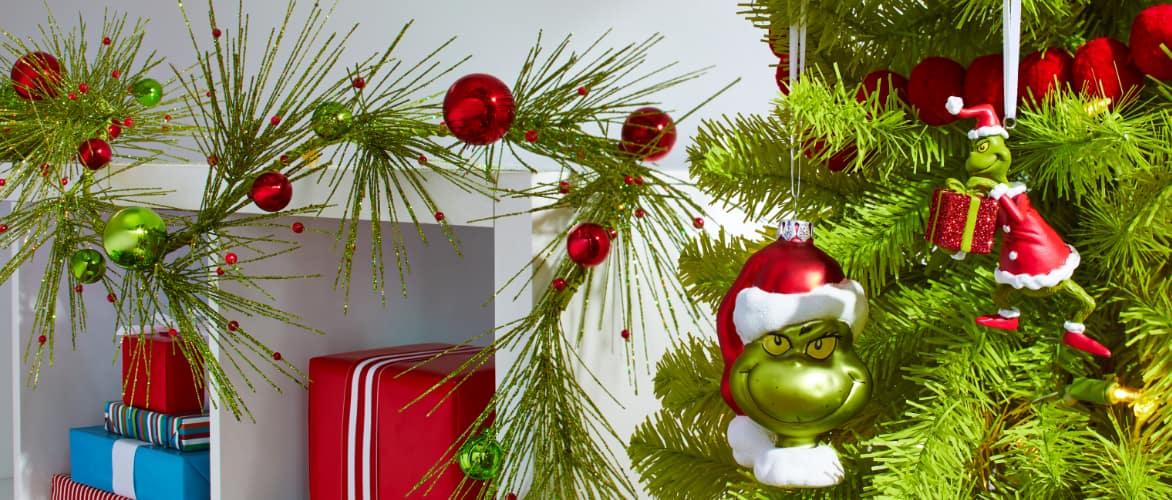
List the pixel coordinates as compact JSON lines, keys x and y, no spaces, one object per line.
{"x":1009,"y":313}
{"x":954,"y":104}
{"x":799,"y":467}
{"x":758,"y":312}
{"x":980,"y":132}
{"x":1073,"y":327}
{"x":1040,"y":281}
{"x":959,"y":255}
{"x":748,"y":440}
{"x":1012,"y":189}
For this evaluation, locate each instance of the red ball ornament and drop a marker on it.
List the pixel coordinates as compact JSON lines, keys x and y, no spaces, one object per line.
{"x":276,"y":120}
{"x":3,"y":182}
{"x":216,"y":33}
{"x":106,"y":40}
{"x":983,"y":83}
{"x":42,"y":339}
{"x":559,"y":284}
{"x":128,"y":122}
{"x":588,"y":244}
{"x":1152,"y":28}
{"x":83,"y":87}
{"x":213,"y":160}
{"x":625,"y":334}
{"x":276,"y":356}
{"x":233,"y":325}
{"x":111,"y":298}
{"x":72,"y":96}
{"x":930,"y":85}
{"x":439,"y":216}
{"x":78,"y":288}
{"x":171,"y":332}
{"x":231,"y":258}
{"x":612,"y":233}
{"x":882,"y":84}
{"x":113,"y":131}
{"x":422,"y":160}
{"x":638,"y":180}
{"x":3,"y":228}
{"x":64,"y":181}
{"x":563,"y":187}
{"x":1041,"y":73}
{"x":284,"y":159}
{"x":628,"y":180}
{"x":1103,"y":68}
{"x":649,"y":134}
{"x":219,"y":271}
{"x":639,"y":213}
{"x":358,"y":83}
{"x":271,"y":191}
{"x":531,"y":135}
{"x":94,"y":153}
{"x":36,"y":75}
{"x":582,"y":91}
{"x":298,"y":227}
{"x":479,"y":109}
{"x":115,"y":74}
{"x":698,"y":222}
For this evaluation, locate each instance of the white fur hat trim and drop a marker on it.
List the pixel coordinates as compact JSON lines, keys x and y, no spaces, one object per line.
{"x":758,"y":312}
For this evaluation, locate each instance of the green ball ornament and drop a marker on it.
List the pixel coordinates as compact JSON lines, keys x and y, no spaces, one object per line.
{"x":87,"y":265}
{"x":481,"y":457}
{"x":147,"y":91}
{"x":331,"y":120}
{"x":135,"y":238}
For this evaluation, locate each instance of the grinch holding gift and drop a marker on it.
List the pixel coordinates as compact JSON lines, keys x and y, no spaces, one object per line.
{"x":1034,"y":260}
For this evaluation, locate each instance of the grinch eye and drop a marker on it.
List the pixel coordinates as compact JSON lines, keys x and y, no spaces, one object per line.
{"x":822,"y":348}
{"x":775,"y":344}
{"x":983,"y":146}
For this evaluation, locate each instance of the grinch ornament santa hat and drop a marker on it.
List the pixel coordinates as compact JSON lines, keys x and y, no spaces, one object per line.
{"x":786,"y":329}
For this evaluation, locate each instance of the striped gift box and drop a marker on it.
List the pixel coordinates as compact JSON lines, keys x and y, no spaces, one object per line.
{"x":65,"y":488}
{"x":179,"y":432}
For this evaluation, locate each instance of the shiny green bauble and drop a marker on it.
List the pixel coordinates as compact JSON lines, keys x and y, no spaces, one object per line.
{"x":331,"y":120}
{"x":481,"y":457}
{"x":147,"y":91}
{"x":135,"y":238}
{"x":87,"y":265}
{"x":801,"y":381}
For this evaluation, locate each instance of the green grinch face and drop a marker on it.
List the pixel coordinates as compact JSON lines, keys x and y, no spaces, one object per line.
{"x":801,"y":381}
{"x":989,"y":159}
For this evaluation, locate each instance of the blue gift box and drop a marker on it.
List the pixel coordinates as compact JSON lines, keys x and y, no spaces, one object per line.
{"x":137,"y":469}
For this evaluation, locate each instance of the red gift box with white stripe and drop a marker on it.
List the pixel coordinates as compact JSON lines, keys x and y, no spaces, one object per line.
{"x":363,"y":447}
{"x":65,"y":488}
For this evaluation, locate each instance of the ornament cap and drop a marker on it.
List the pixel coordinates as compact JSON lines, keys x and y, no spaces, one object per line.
{"x":798,"y":231}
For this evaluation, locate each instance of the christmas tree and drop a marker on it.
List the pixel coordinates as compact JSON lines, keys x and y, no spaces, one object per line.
{"x":1057,"y":389}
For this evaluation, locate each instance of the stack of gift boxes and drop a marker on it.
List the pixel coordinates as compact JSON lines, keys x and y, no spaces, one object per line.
{"x":154,"y":442}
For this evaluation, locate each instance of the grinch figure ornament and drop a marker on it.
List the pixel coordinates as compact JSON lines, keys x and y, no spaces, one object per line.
{"x":786,"y":331}
{"x":1034,"y":260}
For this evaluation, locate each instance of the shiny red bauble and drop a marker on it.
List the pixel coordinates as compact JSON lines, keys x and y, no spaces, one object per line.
{"x":1103,"y":68}
{"x":271,"y":191}
{"x":648,"y":133}
{"x":94,"y":153}
{"x":479,"y":109}
{"x":36,"y":76}
{"x":1151,"y":29}
{"x":929,"y":86}
{"x":1042,"y":73}
{"x":588,"y":244}
{"x":984,"y":83}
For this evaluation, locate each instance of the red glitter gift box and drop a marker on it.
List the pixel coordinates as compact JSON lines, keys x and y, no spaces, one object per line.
{"x":363,"y":444}
{"x":961,"y":222}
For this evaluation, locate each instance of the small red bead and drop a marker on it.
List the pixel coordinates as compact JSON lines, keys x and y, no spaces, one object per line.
{"x":216,"y":33}
{"x":698,"y":222}
{"x":42,"y":339}
{"x":626,"y":334}
{"x":439,"y":216}
{"x":233,"y":325}
{"x":563,"y":187}
{"x":219,"y":271}
{"x":531,"y":135}
{"x":207,"y":94}
{"x":284,"y":158}
{"x":3,"y":182}
{"x":358,"y":83}
{"x":3,"y":228}
{"x":422,"y":160}
{"x":115,"y":73}
{"x":213,"y":160}
{"x":276,"y":120}
{"x":111,"y":298}
{"x":78,"y":288}
{"x":276,"y":356}
{"x":106,"y":41}
{"x":166,"y":118}
{"x":582,"y":91}
{"x":72,"y":96}
{"x":298,"y":227}
{"x":628,"y":180}
{"x":559,"y":284}
{"x":639,"y":213}
{"x":64,"y":181}
{"x":639,"y":180}
{"x":114,"y":131}
{"x":83,"y":88}
{"x":612,"y":232}
{"x":171,"y":332}
{"x":230,"y":258}
{"x":128,"y":122}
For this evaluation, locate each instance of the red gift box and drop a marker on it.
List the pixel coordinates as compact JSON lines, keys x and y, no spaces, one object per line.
{"x":157,"y":377}
{"x":65,"y":488}
{"x":960,"y":222}
{"x":362,"y":447}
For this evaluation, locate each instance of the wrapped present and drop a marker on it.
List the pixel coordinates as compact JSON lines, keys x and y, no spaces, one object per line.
{"x":361,"y":446}
{"x":961,"y":222}
{"x":65,"y":488}
{"x":137,"y":469}
{"x":179,"y":432}
{"x":156,"y":376}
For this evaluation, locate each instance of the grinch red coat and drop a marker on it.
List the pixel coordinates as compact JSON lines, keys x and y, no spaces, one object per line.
{"x":1032,"y":254}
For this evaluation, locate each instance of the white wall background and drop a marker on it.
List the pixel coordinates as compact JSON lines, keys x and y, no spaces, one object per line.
{"x":498,"y":34}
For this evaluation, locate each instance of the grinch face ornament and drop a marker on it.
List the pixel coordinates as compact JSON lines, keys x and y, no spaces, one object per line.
{"x":786,"y":330}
